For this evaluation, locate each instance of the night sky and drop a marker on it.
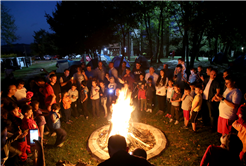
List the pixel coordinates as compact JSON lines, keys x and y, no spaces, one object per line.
{"x":29,"y":17}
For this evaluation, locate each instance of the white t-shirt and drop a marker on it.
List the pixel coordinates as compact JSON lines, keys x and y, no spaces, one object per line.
{"x":169,"y":92}
{"x":20,"y":94}
{"x":206,"y":90}
{"x":233,"y":96}
{"x":94,"y":93}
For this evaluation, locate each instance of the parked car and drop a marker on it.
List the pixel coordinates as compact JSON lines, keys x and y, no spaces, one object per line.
{"x":47,"y":57}
{"x":77,"y":56}
{"x":56,"y":57}
{"x":37,"y":57}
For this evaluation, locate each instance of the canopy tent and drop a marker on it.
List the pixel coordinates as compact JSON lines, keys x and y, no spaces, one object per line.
{"x":220,"y":58}
{"x":66,"y":64}
{"x":239,"y":63}
{"x":105,"y":58}
{"x":117,"y":60}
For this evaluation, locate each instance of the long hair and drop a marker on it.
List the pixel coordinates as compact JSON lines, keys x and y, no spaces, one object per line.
{"x":159,"y":78}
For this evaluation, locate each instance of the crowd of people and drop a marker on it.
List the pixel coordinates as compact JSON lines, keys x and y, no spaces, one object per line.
{"x":201,"y":96}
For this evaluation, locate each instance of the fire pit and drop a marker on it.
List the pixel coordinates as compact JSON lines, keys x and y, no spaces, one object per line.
{"x":138,"y":135}
{"x":154,"y":139}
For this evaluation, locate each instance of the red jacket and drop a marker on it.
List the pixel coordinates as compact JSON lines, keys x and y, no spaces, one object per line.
{"x":29,"y":124}
{"x":141,"y":94}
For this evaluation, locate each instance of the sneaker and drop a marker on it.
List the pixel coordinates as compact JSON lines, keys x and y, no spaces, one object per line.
{"x":87,"y":117}
{"x":185,"y":127}
{"x":167,"y":115}
{"x":68,"y":122}
{"x":176,"y":122}
{"x":53,"y":134}
{"x":28,"y":160}
{"x":46,"y":133}
{"x":170,"y":120}
{"x":60,"y":145}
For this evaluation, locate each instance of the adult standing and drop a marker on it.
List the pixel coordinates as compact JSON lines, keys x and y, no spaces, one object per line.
{"x":79,"y":77}
{"x":137,"y":71}
{"x":100,"y":72}
{"x":90,"y":74}
{"x":65,"y":81}
{"x":210,"y":106}
{"x":48,"y":92}
{"x":10,"y":98}
{"x":129,"y":78}
{"x":122,"y":69}
{"x":56,"y":87}
{"x":161,"y":88}
{"x":152,"y":75}
{"x":112,"y":71}
{"x":168,"y":72}
{"x":229,"y":103}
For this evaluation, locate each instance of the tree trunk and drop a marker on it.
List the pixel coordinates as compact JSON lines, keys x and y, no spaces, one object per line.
{"x":161,"y":45}
{"x":167,"y":41}
{"x":147,"y":24}
{"x":216,"y":45}
{"x":128,"y":45}
{"x":158,"y":34}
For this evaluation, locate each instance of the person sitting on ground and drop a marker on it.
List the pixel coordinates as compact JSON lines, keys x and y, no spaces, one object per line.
{"x":227,"y":154}
{"x":55,"y":125}
{"x":119,"y":156}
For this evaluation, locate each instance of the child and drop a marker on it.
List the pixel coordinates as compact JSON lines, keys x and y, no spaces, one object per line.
{"x":182,"y":63}
{"x":74,"y":94}
{"x":142,"y":97}
{"x":150,"y":94}
{"x":95,"y":98}
{"x":192,"y":90}
{"x":103,"y":94}
{"x":196,"y":106}
{"x":39,"y":118}
{"x":193,"y":76}
{"x":16,"y":119}
{"x":175,"y":104}
{"x":55,"y":125}
{"x":199,"y":74}
{"x":111,"y":89}
{"x":170,"y":91}
{"x":186,"y":106}
{"x":66,"y":102}
{"x":141,"y":81}
{"x":84,"y":99}
{"x":28,"y":121}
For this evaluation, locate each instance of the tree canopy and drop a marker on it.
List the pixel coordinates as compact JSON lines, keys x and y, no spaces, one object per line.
{"x":8,"y":27}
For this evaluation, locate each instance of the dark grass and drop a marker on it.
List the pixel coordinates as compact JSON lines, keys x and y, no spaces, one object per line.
{"x":183,"y":146}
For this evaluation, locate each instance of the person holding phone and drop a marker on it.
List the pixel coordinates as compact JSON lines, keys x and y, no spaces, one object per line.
{"x":55,"y":125}
{"x":28,"y":122}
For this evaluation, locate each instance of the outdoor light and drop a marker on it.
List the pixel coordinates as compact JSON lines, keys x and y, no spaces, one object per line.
{"x":125,"y":49}
{"x":242,"y":48}
{"x":105,"y":49}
